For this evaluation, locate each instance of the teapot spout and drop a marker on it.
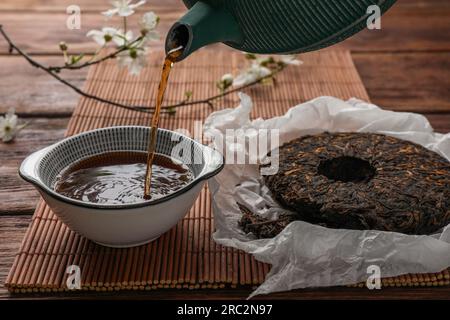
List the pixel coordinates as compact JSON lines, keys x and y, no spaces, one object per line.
{"x":203,"y":24}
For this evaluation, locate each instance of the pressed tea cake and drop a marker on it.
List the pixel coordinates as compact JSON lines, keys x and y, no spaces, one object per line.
{"x":358,"y":181}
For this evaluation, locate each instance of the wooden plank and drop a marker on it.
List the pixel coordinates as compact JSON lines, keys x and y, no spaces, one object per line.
{"x":38,"y":33}
{"x":440,"y":122}
{"x":32,"y":92}
{"x":85,"y":5}
{"x":419,"y":3}
{"x":12,"y":231}
{"x":18,"y":196}
{"x":99,"y":5}
{"x":407,"y":82}
{"x":404,"y":82}
{"x":404,"y":28}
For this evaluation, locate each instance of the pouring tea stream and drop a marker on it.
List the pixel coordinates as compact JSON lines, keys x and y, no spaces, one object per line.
{"x":167,"y":66}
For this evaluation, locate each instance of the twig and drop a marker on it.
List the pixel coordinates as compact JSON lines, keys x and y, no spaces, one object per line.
{"x":38,"y":65}
{"x":53,"y":70}
{"x":90,"y":63}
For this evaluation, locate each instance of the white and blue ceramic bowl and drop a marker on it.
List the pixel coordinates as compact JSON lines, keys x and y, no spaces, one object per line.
{"x":121,"y":225}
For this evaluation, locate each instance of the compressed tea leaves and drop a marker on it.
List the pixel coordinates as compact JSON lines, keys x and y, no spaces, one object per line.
{"x":262,"y":227}
{"x":362,"y":181}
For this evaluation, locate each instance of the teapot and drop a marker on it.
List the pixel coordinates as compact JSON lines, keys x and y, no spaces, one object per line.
{"x":270,"y":26}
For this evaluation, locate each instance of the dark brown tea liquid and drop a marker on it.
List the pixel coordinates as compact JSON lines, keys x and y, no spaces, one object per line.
{"x":118,"y":178}
{"x":127,"y":177}
{"x":167,"y":66}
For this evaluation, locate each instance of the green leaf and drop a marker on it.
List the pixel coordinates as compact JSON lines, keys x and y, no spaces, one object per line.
{"x":223,"y":85}
{"x":220,"y":86}
{"x":267,"y":81}
{"x":171,"y":111}
{"x":250,"y":56}
{"x":75,"y":59}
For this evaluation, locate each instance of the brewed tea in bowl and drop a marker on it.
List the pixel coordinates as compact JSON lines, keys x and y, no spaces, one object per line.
{"x":93,"y":182}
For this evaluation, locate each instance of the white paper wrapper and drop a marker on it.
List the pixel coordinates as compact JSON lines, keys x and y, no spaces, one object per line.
{"x":307,"y":255}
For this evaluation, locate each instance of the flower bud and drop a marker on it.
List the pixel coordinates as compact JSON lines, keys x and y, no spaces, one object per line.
{"x":63,"y":46}
{"x":144,"y":32}
{"x":227,"y":79}
{"x":133,"y":53}
{"x":225,"y":82}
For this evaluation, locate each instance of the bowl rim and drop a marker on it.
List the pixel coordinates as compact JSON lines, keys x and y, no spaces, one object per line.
{"x":35,"y":180}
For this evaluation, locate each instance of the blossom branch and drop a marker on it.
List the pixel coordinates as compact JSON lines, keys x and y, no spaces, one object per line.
{"x":256,"y":78}
{"x":93,"y":62}
{"x":38,"y":65}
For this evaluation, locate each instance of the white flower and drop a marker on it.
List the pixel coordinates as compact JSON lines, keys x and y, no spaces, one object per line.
{"x":134,"y":59}
{"x":120,"y":37}
{"x":103,"y":36}
{"x":122,"y":8}
{"x":149,"y":21}
{"x":9,"y":126}
{"x":227,"y":78}
{"x":225,"y":82}
{"x":254,"y":73}
{"x":290,"y":59}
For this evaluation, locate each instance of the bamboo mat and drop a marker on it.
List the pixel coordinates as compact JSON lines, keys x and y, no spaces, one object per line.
{"x":186,"y":256}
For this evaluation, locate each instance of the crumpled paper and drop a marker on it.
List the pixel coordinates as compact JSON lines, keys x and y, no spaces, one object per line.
{"x":307,"y":255}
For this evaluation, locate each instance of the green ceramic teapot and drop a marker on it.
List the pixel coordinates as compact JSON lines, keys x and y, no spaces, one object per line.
{"x":270,"y":26}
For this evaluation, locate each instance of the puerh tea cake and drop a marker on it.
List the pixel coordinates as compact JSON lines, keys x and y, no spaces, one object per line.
{"x":262,"y":227}
{"x":360,"y":181}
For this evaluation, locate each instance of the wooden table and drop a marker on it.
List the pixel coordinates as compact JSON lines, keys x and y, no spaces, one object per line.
{"x":405,"y":66}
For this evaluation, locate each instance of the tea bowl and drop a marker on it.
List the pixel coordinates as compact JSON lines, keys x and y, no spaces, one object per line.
{"x":121,"y":225}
